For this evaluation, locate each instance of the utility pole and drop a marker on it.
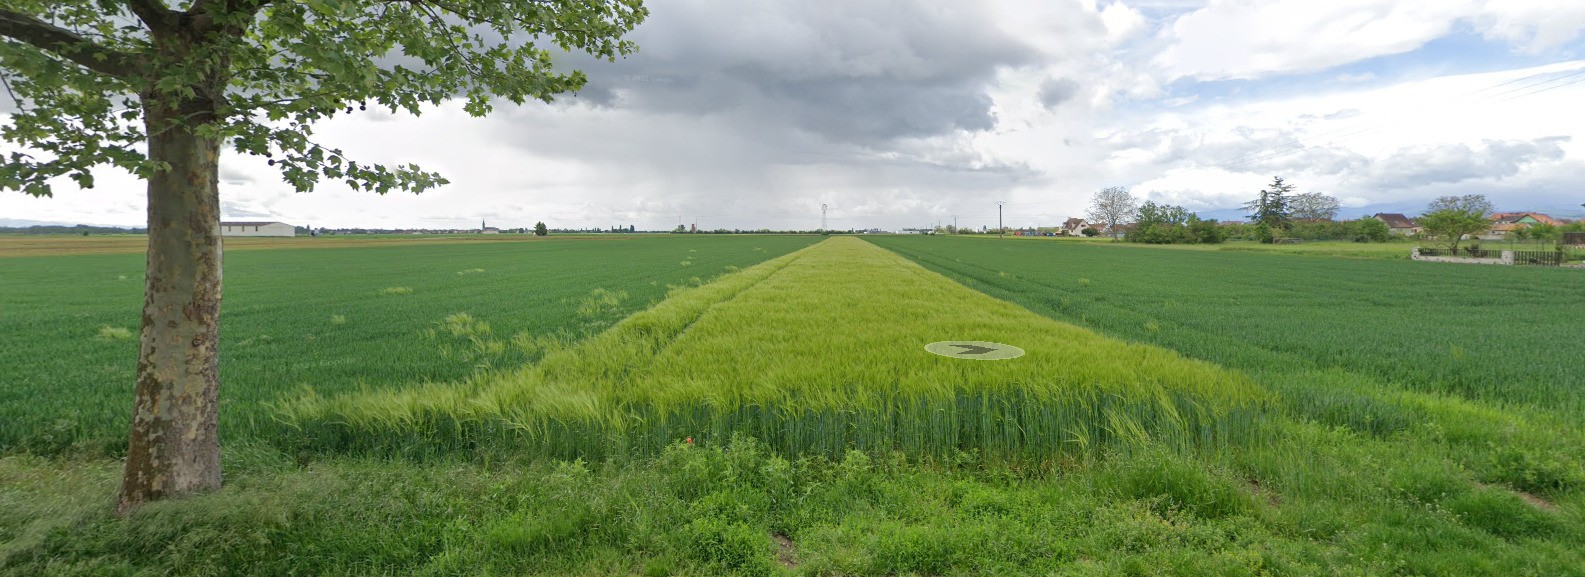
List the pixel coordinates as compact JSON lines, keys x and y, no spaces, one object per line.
{"x":1001,"y":231}
{"x":954,"y":224}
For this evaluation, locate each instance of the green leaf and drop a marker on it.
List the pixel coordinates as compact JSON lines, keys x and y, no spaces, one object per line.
{"x":268,"y":76}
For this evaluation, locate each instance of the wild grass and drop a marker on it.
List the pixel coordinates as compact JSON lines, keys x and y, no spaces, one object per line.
{"x":791,"y":352}
{"x":315,"y":318}
{"x":741,"y":509}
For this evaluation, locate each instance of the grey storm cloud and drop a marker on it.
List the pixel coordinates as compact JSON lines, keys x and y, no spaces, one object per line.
{"x":1055,"y":91}
{"x":864,"y":73}
{"x":1454,"y":163}
{"x":787,"y":105}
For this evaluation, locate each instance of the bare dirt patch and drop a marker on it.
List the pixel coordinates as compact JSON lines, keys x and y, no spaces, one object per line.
{"x":1534,"y":500}
{"x":786,"y":553}
{"x":1268,"y":495}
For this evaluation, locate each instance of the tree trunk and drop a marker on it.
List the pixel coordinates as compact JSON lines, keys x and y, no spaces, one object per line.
{"x":174,"y":447}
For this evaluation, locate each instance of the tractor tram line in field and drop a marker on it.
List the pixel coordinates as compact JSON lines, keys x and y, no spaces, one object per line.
{"x":785,"y":353}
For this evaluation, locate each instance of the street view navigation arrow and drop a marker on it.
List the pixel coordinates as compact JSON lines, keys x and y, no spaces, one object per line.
{"x":975,"y":350}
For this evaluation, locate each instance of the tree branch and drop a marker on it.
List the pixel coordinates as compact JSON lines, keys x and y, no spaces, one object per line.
{"x":209,"y":5}
{"x":153,"y":13}
{"x":206,"y":9}
{"x":67,"y":44}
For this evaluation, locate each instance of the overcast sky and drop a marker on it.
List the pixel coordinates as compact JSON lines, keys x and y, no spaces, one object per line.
{"x":752,"y":113}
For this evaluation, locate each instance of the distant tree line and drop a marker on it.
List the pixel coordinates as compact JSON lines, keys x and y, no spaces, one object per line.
{"x":80,"y":230}
{"x":1169,"y":224}
{"x":1276,"y":214}
{"x":1364,"y":229}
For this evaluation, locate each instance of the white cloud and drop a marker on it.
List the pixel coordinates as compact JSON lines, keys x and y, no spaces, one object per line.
{"x":1532,"y":25}
{"x":743,"y":115}
{"x":1254,"y":38}
{"x":1251,"y":38}
{"x":1413,"y":140}
{"x":1123,"y":22}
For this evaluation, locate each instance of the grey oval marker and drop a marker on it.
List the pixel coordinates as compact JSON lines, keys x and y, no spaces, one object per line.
{"x":977,"y":350}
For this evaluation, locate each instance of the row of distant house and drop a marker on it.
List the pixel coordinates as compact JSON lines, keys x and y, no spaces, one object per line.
{"x":262,"y":228}
{"x":1070,"y":227}
{"x":1502,"y":223}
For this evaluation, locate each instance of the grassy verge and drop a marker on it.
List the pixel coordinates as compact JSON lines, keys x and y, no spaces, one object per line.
{"x":819,"y":352}
{"x":740,"y":509}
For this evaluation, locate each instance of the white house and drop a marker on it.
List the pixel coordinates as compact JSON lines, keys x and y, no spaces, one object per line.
{"x":257,"y":229}
{"x":1074,"y":226}
{"x":1397,"y":223}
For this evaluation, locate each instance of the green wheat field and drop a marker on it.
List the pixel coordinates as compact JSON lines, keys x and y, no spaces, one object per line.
{"x":764,"y":405}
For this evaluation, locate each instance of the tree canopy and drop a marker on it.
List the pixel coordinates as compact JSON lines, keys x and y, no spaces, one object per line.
{"x":1113,"y":207}
{"x":160,"y":87}
{"x":1270,"y":210}
{"x":82,"y":72}
{"x":1170,"y":224}
{"x":1313,"y":207}
{"x":1449,"y":218}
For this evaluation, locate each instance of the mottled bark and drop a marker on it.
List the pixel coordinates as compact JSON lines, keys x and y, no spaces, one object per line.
{"x":174,"y":447}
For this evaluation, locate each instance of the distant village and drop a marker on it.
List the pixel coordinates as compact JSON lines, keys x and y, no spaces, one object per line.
{"x":1503,"y":226}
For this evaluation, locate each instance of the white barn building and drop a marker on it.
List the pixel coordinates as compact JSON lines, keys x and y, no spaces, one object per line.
{"x":257,"y":229}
